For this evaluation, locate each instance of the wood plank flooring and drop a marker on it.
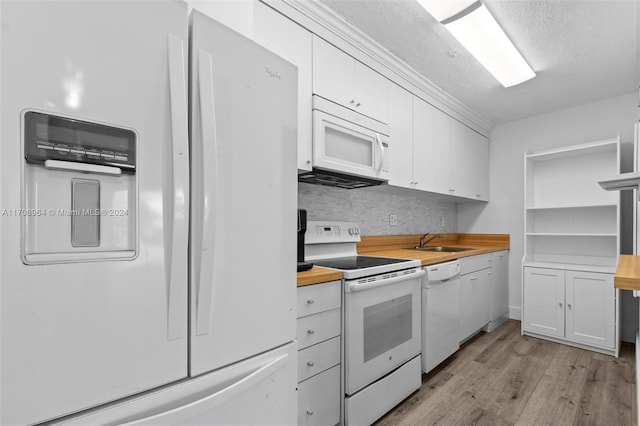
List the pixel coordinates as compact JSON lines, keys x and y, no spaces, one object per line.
{"x":504,"y":378}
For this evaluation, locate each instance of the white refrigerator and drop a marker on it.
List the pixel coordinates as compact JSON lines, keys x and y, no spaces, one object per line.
{"x":147,"y":218}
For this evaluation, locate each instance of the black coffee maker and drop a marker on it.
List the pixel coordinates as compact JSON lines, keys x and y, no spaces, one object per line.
{"x":302,"y":229}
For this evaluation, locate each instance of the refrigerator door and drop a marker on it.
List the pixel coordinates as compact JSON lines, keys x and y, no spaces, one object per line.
{"x":244,"y":188}
{"x":257,"y":391}
{"x":82,"y":325}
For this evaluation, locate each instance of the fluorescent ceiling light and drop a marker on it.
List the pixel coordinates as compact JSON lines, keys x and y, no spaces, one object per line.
{"x":477,"y":30}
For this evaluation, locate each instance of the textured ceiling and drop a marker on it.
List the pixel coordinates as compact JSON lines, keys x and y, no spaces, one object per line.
{"x":581,"y":50}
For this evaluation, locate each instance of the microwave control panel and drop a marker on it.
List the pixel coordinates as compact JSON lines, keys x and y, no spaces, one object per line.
{"x":49,"y":137}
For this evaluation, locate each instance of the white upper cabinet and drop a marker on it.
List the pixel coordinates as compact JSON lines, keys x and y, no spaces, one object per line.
{"x":433,"y":152}
{"x":345,"y":81}
{"x":401,"y":150}
{"x":293,"y":43}
{"x":424,"y":146}
{"x":469,"y":163}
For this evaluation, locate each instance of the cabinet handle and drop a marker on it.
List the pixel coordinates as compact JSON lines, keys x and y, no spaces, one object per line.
{"x":310,"y":363}
{"x":310,"y":411}
{"x":358,"y":104}
{"x":569,"y":305}
{"x":310,"y":301}
{"x":311,"y":331}
{"x":560,"y":304}
{"x":473,"y":278}
{"x":478,"y":195}
{"x":308,"y":161}
{"x":489,"y":273}
{"x":353,"y":101}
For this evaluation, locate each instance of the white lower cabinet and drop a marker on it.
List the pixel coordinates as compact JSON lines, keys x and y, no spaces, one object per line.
{"x":319,"y":352}
{"x":577,"y":307}
{"x":475,"y":294}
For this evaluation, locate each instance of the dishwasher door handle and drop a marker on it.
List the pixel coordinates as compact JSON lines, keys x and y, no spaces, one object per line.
{"x":361,"y":286}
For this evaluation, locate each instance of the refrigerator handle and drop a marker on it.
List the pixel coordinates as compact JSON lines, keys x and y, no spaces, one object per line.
{"x":209,"y":402}
{"x":177,"y":214}
{"x":207,"y":181}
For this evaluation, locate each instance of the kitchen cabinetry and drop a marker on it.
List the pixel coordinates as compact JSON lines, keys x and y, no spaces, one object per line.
{"x":319,"y":350}
{"x":475,"y":291}
{"x":346,"y":81}
{"x":431,"y":151}
{"x":499,"y":285}
{"x":571,"y":246}
{"x":576,"y":306}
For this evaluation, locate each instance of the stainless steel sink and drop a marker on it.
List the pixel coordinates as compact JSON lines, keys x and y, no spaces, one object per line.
{"x":444,"y":249}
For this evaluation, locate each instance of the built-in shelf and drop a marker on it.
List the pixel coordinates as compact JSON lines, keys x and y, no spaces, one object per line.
{"x":571,"y":266}
{"x":570,"y":234}
{"x":575,"y":150}
{"x":567,"y":207}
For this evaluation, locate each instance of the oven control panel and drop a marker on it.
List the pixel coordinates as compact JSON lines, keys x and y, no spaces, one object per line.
{"x":321,"y":232}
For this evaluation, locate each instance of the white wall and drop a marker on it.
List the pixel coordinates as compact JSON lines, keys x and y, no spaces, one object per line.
{"x":508,"y":142}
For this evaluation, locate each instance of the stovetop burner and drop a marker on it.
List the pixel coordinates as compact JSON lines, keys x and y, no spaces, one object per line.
{"x":356,"y":262}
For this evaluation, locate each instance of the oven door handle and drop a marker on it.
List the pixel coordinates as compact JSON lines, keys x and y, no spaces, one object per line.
{"x":356,"y":286}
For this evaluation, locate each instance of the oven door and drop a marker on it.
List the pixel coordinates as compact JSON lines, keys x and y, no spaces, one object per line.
{"x":382,"y":327}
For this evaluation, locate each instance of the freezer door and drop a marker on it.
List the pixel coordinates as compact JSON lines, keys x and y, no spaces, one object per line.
{"x":78,"y":327}
{"x":244,"y":190}
{"x":257,"y":391}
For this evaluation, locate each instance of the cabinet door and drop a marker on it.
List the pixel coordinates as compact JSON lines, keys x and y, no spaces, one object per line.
{"x":372,"y":93}
{"x":481,"y":282}
{"x":477,"y":166}
{"x":499,"y":279}
{"x":423,"y":145}
{"x":293,"y":43}
{"x":401,"y":146}
{"x":458,"y":156}
{"x":544,"y":301}
{"x":591,"y":308}
{"x":442,"y":163}
{"x":333,"y":74}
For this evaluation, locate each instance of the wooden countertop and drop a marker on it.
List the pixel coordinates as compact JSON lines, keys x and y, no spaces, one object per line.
{"x":317,"y":275}
{"x":627,"y":275}
{"x":402,"y":246}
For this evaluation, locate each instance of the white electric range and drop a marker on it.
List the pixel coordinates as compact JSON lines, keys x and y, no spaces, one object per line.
{"x":381,"y":320}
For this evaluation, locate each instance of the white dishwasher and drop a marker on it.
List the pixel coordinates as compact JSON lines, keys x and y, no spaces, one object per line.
{"x":440,"y":313}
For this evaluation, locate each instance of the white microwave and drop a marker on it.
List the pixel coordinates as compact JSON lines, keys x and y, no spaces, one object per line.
{"x":350,"y":150}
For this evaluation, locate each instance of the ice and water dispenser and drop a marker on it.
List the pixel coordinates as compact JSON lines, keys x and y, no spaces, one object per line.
{"x":79,"y":191}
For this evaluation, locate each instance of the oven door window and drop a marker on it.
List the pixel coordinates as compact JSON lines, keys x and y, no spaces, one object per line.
{"x":387,"y":325}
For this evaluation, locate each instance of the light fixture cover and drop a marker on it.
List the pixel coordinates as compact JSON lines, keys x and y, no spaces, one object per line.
{"x":482,"y":36}
{"x":445,"y":9}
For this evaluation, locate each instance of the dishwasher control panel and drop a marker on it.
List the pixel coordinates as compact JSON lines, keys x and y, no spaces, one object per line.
{"x":443,"y":271}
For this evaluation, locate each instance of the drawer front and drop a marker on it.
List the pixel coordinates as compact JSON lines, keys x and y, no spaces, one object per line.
{"x":475,"y":263}
{"x":319,"y":298}
{"x":319,"y":399}
{"x":318,"y":328}
{"x":317,"y":358}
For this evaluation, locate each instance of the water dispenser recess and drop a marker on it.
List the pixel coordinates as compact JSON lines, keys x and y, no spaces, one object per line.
{"x":79,"y":188}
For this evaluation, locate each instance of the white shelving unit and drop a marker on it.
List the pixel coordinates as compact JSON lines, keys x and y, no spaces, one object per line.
{"x":571,"y":227}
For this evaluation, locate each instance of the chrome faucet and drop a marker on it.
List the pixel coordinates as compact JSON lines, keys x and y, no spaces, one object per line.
{"x":424,"y":242}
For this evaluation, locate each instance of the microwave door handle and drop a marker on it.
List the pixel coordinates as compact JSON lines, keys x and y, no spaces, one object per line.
{"x":176,"y":183}
{"x":381,"y":155}
{"x":205,"y":184}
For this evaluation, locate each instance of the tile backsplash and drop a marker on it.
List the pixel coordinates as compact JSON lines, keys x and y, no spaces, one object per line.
{"x":371,"y":208}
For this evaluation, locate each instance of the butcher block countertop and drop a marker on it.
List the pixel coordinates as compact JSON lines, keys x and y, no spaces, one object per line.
{"x":317,"y":275}
{"x":401,"y":246}
{"x":627,"y":276}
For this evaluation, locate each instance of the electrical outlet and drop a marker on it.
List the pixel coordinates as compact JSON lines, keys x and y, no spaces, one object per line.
{"x":393,"y":219}
{"x":443,"y":221}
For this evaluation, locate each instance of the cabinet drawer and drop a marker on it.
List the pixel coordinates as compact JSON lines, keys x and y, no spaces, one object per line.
{"x":318,"y":358}
{"x":319,"y":399}
{"x":475,"y":263}
{"x":318,"y":298}
{"x":317,"y":328}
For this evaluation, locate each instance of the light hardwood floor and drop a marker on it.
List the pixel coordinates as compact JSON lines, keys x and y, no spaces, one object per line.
{"x":504,"y":378}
